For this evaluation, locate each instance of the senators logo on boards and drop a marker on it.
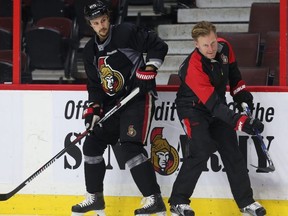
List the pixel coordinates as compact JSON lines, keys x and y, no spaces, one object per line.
{"x":164,"y":157}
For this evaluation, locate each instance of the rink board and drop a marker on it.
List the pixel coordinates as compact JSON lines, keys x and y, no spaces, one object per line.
{"x":36,"y":125}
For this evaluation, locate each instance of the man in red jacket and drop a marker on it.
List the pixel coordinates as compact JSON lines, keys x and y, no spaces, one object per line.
{"x":208,"y":122}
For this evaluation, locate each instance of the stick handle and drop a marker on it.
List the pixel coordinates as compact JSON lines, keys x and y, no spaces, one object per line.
{"x":246,"y":109}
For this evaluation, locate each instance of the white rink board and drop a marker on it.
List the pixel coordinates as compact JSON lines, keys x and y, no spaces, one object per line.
{"x":34,"y":125}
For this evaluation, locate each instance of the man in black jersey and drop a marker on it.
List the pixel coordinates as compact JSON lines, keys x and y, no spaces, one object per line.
{"x":114,"y":65}
{"x":208,"y":122}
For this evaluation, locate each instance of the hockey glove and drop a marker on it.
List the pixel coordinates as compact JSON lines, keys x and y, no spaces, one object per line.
{"x":240,"y":95}
{"x":249,"y":125}
{"x":92,"y":115}
{"x":145,"y":80}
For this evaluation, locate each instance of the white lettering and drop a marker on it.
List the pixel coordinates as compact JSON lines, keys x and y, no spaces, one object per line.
{"x":239,"y":89}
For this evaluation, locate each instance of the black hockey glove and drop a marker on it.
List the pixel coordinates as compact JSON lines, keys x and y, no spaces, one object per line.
{"x":145,"y":80}
{"x":249,"y":125}
{"x":240,"y":95}
{"x":92,"y":114}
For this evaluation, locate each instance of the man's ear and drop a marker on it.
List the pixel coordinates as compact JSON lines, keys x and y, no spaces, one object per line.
{"x":196,"y":44}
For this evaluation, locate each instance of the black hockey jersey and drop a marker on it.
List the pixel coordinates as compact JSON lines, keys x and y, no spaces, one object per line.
{"x":110,"y":66}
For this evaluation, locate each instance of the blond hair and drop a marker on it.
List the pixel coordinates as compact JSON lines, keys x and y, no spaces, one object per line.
{"x":202,"y":28}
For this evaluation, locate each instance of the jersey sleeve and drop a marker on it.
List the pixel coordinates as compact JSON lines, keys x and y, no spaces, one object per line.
{"x":94,"y":87}
{"x":148,"y":42}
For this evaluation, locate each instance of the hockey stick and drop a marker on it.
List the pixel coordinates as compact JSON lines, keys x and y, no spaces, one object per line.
{"x":121,"y":103}
{"x":271,"y":167}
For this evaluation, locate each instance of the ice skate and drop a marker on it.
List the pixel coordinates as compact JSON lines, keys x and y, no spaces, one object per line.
{"x":181,"y":210}
{"x":92,"y":203}
{"x":254,"y":209}
{"x":151,"y":205}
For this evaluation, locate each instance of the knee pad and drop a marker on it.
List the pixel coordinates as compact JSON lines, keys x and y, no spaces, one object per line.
{"x":137,"y":160}
{"x":135,"y":153}
{"x":93,"y":159}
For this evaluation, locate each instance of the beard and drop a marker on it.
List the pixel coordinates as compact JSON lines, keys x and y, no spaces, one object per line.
{"x":103,"y":33}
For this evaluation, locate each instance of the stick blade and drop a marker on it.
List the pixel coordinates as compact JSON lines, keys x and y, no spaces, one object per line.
{"x":270,"y":168}
{"x":4,"y":197}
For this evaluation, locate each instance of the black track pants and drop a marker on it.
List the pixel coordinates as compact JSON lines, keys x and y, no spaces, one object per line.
{"x":205,"y":135}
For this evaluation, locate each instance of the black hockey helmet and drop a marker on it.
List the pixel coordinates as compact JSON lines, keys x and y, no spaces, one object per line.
{"x":96,"y":9}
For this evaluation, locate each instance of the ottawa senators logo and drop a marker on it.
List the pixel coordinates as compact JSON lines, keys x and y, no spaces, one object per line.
{"x":224,"y":59}
{"x":131,"y":131}
{"x":164,"y":157}
{"x":112,"y":81}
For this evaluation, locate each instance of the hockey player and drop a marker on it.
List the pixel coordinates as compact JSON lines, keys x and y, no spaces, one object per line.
{"x":114,"y":65}
{"x":208,"y":122}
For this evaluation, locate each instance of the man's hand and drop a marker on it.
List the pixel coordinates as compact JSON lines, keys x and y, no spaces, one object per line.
{"x":240,"y":95}
{"x":145,"y":79}
{"x":243,"y":96}
{"x":249,"y":125}
{"x":92,"y":115}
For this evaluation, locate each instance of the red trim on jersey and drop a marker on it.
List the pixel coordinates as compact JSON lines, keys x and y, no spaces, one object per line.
{"x":197,"y":79}
{"x":147,"y":117}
